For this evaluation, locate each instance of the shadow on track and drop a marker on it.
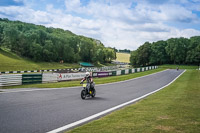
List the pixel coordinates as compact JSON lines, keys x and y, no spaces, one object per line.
{"x":96,"y":99}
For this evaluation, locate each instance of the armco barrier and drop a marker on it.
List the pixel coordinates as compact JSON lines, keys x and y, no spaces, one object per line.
{"x":31,"y":78}
{"x":18,"y":79}
{"x":130,"y":71}
{"x":114,"y":73}
{"x":122,"y":72}
{"x":119,"y":72}
{"x":127,"y":71}
{"x":10,"y":79}
{"x":135,"y":70}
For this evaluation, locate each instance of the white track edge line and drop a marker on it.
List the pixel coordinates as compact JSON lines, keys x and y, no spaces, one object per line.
{"x":108,"y":110}
{"x":47,"y":89}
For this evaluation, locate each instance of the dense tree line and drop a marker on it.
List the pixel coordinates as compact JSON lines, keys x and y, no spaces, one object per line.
{"x":40,"y":43}
{"x":173,"y":51}
{"x":124,"y":51}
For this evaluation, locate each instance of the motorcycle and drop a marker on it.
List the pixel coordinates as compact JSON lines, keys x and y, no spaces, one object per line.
{"x":85,"y":93}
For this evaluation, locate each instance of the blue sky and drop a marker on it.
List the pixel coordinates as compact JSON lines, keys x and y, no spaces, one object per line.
{"x":116,"y":23}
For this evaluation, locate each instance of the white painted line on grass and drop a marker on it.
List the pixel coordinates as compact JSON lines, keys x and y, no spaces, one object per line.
{"x":47,"y":89}
{"x":108,"y":110}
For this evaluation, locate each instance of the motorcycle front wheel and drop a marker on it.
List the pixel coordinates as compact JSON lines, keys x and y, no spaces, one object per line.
{"x":83,"y":94}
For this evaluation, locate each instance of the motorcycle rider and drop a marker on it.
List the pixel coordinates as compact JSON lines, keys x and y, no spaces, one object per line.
{"x":89,"y":80}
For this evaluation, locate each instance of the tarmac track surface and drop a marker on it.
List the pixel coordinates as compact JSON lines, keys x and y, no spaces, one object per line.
{"x":40,"y":111}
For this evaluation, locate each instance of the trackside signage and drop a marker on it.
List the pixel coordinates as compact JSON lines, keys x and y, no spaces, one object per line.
{"x":69,"y":76}
{"x":102,"y":74}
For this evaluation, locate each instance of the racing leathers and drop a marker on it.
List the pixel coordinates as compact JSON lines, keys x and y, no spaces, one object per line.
{"x":89,"y":82}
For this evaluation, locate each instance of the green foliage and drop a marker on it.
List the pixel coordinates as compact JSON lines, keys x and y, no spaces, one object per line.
{"x":134,"y":58}
{"x":193,"y":54}
{"x":176,"y":48}
{"x":158,"y":54}
{"x":142,"y":56}
{"x":173,"y":51}
{"x":39,"y":43}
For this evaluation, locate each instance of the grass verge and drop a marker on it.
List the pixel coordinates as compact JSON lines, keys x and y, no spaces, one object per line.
{"x":96,"y":80}
{"x":173,"y":109}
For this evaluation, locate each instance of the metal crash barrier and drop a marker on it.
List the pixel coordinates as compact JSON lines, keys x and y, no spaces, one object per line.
{"x":21,"y":79}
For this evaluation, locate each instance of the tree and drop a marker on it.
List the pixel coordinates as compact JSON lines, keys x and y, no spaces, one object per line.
{"x":87,"y":50}
{"x":177,"y":48}
{"x":144,"y":53}
{"x":134,"y":58}
{"x":158,"y":53}
{"x":125,"y":51}
{"x":10,"y":35}
{"x":193,"y":54}
{"x":49,"y":53}
{"x":110,"y":54}
{"x":36,"y":52}
{"x":2,"y":25}
{"x":100,"y":55}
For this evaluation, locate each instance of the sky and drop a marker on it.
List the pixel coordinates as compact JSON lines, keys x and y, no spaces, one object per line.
{"x":123,"y":24}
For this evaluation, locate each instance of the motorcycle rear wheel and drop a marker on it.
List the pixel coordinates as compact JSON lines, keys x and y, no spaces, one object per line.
{"x":94,"y":93}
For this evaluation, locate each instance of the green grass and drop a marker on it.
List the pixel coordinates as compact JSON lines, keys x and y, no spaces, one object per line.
{"x":12,"y":62}
{"x":168,"y":66}
{"x":175,"y":109}
{"x":123,"y":57}
{"x":96,"y":80}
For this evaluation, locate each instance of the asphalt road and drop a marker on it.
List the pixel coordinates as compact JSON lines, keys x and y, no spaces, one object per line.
{"x":41,"y":111}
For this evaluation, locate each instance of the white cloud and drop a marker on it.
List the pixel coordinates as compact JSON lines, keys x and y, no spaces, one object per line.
{"x":178,"y":13}
{"x":115,"y":23}
{"x":188,"y":33}
{"x":72,"y":5}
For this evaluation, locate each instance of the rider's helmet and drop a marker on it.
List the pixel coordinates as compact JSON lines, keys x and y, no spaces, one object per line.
{"x":87,"y":74}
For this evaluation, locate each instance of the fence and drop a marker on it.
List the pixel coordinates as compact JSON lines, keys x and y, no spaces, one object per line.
{"x":10,"y":79}
{"x":19,"y":79}
{"x":122,"y":72}
{"x":31,"y":78}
